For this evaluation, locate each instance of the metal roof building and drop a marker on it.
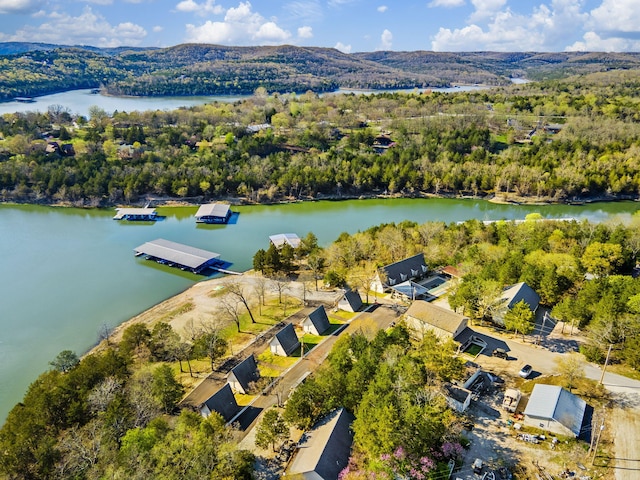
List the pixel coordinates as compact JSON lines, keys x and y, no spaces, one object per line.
{"x":213,"y":213}
{"x":177,"y":254}
{"x":555,"y":409}
{"x":281,"y":238}
{"x":145,"y":213}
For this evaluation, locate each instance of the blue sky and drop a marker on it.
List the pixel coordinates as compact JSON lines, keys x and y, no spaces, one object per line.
{"x":348,"y":25}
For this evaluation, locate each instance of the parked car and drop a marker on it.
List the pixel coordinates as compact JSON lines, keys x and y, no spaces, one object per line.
{"x":525,"y":371}
{"x":500,"y":353}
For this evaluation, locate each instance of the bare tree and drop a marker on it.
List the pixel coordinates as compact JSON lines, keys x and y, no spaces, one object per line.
{"x":316,"y":262}
{"x":104,"y":333}
{"x":230,"y":309}
{"x":236,"y":289}
{"x":260,"y":287}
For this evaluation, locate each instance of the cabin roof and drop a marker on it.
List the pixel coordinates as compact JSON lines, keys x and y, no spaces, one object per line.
{"x":319,"y":319}
{"x":327,"y":448}
{"x":177,"y":253}
{"x":246,"y":372}
{"x":287,"y":339}
{"x":403,"y":270}
{"x":223,"y":402}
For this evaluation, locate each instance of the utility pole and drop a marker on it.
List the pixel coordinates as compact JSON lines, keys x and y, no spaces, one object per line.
{"x":595,"y":450}
{"x":606,"y":362}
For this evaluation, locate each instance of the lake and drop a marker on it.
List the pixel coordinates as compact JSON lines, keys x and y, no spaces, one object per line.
{"x":66,"y":272}
{"x":79,"y":101}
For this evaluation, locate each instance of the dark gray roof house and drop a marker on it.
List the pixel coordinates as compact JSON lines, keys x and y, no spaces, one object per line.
{"x":317,"y":322}
{"x":350,"y":301}
{"x":326,"y":450}
{"x":512,"y":295}
{"x":411,"y":268}
{"x":243,"y":374}
{"x":222,"y":402}
{"x":285,"y":342}
{"x":555,"y":409}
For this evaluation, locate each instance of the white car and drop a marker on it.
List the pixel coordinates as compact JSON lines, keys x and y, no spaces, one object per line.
{"x":525,"y":371}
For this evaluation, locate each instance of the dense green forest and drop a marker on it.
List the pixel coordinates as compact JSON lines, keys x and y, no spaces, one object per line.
{"x":558,"y":140}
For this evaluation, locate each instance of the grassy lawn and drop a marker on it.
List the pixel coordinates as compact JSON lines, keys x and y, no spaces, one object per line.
{"x":271,"y":365}
{"x":243,"y":400}
{"x":341,"y":316}
{"x":176,"y":312}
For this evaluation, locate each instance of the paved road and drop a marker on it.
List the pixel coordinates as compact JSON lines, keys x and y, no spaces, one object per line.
{"x":372,"y":321}
{"x":541,"y":358}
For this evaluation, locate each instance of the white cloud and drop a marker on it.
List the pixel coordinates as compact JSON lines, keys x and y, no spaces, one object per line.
{"x":342,"y":47}
{"x":305,"y":32}
{"x":545,"y":28}
{"x":592,"y":42}
{"x":382,"y":8}
{"x":616,"y":16}
{"x":87,"y":28}
{"x":158,"y":28}
{"x":446,"y":3}
{"x":386,"y":40}
{"x":486,"y":8}
{"x":241,"y":26}
{"x":208,"y":7}
{"x":20,"y":6}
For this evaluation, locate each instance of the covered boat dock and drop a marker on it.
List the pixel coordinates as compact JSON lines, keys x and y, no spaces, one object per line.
{"x":213,"y":213}
{"x":178,"y":255}
{"x":139,"y":214}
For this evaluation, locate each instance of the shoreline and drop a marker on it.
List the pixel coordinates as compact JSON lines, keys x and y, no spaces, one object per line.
{"x":502,"y":198}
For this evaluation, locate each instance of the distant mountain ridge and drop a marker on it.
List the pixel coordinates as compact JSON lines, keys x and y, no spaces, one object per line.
{"x":32,"y":69}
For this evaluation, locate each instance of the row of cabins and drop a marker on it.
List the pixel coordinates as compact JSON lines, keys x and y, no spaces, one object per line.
{"x":326,"y":447}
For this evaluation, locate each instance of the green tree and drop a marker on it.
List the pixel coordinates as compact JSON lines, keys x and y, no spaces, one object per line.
{"x":65,"y":361}
{"x":166,"y":389}
{"x":602,"y":259}
{"x":571,"y":368}
{"x":272,"y":429}
{"x":134,"y":337}
{"x":519,"y":319}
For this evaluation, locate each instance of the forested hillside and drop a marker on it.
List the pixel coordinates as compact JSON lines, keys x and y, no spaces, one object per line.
{"x":562,"y":141}
{"x":31,"y":69}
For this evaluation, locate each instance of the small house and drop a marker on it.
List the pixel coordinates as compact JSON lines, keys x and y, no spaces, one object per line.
{"x":317,"y":322}
{"x":213,"y":213}
{"x":222,"y":402}
{"x":350,"y":301}
{"x":555,"y":409}
{"x":281,"y":239}
{"x":326,"y":449}
{"x":409,"y":269}
{"x":424,"y":316}
{"x":512,"y":295}
{"x":243,"y":375}
{"x":457,"y":397}
{"x":285,"y":342}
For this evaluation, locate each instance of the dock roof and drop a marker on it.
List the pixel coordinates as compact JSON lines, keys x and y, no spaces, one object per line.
{"x":213,"y":210}
{"x":123,"y":212}
{"x":281,"y":238}
{"x":176,"y":253}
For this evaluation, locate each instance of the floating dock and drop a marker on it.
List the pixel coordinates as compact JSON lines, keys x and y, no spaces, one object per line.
{"x":180,"y":256}
{"x":213,"y":213}
{"x":136,"y":214}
